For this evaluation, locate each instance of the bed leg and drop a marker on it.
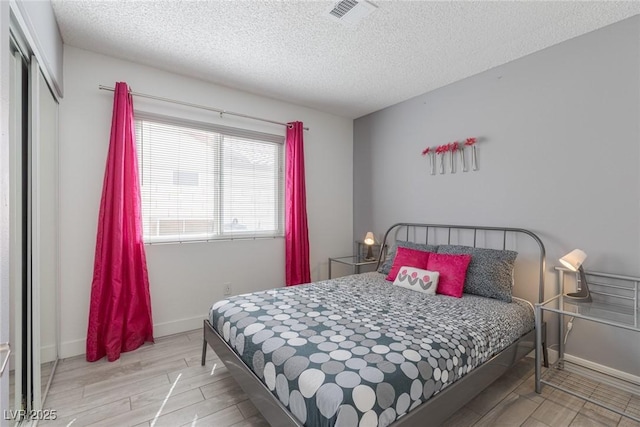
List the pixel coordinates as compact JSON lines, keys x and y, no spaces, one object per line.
{"x":204,"y":351}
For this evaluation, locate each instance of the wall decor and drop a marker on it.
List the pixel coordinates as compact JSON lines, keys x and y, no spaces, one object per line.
{"x":474,"y":160}
{"x":440,"y":152}
{"x":432,"y":160}
{"x":454,"y":149}
{"x":463,"y":163}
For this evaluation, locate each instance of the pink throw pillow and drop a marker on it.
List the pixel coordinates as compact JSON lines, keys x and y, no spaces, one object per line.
{"x":453,"y":272}
{"x":408,"y":258}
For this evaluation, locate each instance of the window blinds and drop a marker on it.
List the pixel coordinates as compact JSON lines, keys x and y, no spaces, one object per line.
{"x":206,"y":182}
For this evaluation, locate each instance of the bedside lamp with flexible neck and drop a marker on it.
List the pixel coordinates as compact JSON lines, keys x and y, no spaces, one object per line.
{"x":573,"y":261}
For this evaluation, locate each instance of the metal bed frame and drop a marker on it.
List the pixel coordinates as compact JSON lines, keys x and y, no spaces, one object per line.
{"x":439,"y":407}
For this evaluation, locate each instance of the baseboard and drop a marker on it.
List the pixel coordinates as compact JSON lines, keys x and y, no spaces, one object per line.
{"x":178,"y":326}
{"x":72,"y":348}
{"x":553,"y":355}
{"x":77,"y":347}
{"x":601,"y":373}
{"x":48,"y":353}
{"x":611,"y":374}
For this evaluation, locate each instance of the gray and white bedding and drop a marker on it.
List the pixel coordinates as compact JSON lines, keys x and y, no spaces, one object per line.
{"x":358,"y":351}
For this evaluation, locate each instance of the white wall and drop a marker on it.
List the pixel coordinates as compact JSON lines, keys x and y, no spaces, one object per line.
{"x":185,"y":279}
{"x":560,"y":155}
{"x":42,"y":33}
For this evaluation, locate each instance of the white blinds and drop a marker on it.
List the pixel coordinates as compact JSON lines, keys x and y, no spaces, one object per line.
{"x":204,"y":182}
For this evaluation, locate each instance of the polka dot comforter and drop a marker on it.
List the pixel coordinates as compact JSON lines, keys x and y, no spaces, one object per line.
{"x":358,"y":351}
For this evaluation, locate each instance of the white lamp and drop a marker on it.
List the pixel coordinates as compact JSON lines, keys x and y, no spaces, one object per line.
{"x":573,"y":261}
{"x":369,"y":240}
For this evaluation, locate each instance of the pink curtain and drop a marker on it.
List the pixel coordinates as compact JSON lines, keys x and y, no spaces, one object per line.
{"x":120,"y":309}
{"x":296,"y":231}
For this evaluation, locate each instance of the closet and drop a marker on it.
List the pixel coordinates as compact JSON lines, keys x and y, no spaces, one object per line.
{"x":33,"y":232}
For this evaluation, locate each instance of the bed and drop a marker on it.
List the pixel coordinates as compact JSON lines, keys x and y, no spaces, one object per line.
{"x":358,"y":350}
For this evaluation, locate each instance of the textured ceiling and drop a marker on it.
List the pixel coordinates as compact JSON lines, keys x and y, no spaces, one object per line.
{"x":293,"y":51}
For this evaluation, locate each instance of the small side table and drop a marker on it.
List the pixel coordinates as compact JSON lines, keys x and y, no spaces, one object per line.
{"x":615,"y":303}
{"x":354,"y":261}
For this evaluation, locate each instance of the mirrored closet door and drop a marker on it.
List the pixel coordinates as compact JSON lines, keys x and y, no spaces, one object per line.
{"x":45,"y":226}
{"x":18,"y":204}
{"x":33,"y":233}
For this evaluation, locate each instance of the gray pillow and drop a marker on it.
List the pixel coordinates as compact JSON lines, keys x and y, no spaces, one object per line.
{"x":490,"y":272}
{"x":385,"y":267}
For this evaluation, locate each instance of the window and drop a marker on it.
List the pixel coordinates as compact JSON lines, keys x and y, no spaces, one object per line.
{"x":205,"y":182}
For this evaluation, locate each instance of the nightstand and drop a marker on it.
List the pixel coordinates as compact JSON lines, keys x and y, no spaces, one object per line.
{"x":356,"y":262}
{"x":615,"y":303}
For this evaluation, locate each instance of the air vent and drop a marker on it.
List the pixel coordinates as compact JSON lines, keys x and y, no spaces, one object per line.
{"x":351,"y":12}
{"x":341,"y":8}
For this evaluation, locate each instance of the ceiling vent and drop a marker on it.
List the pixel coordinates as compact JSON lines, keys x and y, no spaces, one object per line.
{"x":351,"y":12}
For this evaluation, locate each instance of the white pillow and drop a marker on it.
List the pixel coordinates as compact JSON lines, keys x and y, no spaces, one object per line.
{"x":424,"y":281}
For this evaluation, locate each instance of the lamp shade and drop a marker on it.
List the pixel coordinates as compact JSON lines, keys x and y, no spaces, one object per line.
{"x":574,"y":259}
{"x":369,"y":239}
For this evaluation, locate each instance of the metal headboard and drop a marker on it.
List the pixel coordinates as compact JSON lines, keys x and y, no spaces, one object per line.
{"x":396,"y":229}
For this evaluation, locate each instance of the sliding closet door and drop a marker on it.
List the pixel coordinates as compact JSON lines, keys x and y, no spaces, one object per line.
{"x":18,"y":99}
{"x":32,"y":164}
{"x":46,"y":218}
{"x":43,"y":124}
{"x":14,"y":372}
{"x":32,"y":367}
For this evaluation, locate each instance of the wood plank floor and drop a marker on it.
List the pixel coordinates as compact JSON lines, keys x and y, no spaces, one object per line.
{"x":163,"y":384}
{"x":45,"y":371}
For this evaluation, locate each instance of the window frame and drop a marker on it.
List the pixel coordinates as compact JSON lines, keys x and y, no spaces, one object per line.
{"x":217,"y":214}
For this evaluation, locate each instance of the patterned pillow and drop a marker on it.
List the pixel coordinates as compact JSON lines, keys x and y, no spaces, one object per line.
{"x":424,"y":281}
{"x":452,"y":269}
{"x":410,"y":258}
{"x":385,"y":267}
{"x":490,"y":272}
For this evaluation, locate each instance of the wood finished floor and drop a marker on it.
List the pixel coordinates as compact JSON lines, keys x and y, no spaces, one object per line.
{"x":164,"y":385}
{"x":45,"y":371}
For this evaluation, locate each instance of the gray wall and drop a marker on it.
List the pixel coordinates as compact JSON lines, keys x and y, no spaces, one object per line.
{"x":559,"y":155}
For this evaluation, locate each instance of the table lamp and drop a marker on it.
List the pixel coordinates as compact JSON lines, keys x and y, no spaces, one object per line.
{"x":369,"y":240}
{"x":573,"y":261}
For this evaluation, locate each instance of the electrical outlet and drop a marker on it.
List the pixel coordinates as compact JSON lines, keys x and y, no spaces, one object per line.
{"x":227,"y":288}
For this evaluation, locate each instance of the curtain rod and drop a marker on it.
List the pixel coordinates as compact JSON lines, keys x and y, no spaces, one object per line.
{"x":202,"y":107}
